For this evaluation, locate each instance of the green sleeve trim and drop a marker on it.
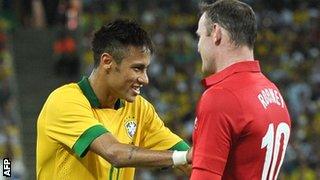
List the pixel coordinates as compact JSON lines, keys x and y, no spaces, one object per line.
{"x":81,"y":146}
{"x":180,"y":146}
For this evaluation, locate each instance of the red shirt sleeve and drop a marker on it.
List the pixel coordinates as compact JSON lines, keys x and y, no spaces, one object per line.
{"x":217,"y":127}
{"x":200,"y":174}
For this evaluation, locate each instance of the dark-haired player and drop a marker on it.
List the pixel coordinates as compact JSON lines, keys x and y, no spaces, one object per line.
{"x":243,"y":126}
{"x":97,"y":127}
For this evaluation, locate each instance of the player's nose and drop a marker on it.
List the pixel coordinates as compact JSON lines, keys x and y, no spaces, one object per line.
{"x":143,"y":79}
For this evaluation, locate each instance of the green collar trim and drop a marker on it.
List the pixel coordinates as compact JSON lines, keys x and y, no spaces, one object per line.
{"x":88,"y":92}
{"x":91,"y":96}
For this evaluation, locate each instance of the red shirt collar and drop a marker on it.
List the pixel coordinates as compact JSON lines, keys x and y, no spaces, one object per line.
{"x":244,"y":66}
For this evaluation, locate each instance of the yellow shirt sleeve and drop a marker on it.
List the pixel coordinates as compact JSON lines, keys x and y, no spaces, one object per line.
{"x":156,"y":135}
{"x":70,"y":120}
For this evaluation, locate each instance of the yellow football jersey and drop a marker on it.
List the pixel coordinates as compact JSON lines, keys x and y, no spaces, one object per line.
{"x":72,"y":118}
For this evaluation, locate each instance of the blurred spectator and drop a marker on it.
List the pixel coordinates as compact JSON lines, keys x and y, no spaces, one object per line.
{"x":10,"y":146}
{"x":67,"y":61}
{"x":48,"y":13}
{"x":50,"y":9}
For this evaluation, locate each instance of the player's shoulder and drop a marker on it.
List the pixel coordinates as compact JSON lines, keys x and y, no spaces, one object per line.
{"x":245,"y":84}
{"x":218,"y":92}
{"x":244,"y":79}
{"x":67,"y":92}
{"x":71,"y":88}
{"x":219,"y":98}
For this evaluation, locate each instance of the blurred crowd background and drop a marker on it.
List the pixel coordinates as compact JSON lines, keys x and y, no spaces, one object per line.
{"x":288,"y":47}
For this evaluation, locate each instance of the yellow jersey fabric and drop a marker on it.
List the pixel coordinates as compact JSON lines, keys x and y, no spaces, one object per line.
{"x":71,"y":119}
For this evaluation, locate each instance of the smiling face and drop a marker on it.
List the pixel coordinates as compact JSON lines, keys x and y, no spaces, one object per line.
{"x":127,"y":77}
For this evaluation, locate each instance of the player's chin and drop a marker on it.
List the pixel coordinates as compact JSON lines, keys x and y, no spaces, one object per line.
{"x":131,"y":98}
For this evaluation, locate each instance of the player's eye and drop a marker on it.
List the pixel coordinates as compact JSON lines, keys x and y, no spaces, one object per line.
{"x":137,"y":69}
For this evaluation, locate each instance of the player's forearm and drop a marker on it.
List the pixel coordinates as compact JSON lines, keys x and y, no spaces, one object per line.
{"x":124,"y":155}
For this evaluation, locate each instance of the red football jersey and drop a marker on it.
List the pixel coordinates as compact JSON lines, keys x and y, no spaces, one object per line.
{"x":242,"y":125}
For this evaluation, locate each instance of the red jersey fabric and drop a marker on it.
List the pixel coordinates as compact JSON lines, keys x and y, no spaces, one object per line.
{"x":242,"y":125}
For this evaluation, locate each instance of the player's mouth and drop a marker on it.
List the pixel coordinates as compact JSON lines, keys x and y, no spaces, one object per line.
{"x":136,"y":89}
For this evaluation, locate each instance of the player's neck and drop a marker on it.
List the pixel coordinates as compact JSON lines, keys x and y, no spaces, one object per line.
{"x":233,"y":55}
{"x":101,"y":91}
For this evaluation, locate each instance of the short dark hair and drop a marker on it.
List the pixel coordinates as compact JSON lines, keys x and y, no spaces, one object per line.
{"x":116,"y":37}
{"x":236,"y":17}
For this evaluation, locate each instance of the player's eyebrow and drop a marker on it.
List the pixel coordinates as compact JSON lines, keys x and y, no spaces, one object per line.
{"x":139,"y":65}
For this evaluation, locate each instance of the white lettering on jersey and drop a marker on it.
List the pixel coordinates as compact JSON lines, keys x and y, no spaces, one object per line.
{"x":268,"y":96}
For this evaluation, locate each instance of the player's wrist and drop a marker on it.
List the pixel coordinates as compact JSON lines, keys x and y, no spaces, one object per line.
{"x":179,"y":158}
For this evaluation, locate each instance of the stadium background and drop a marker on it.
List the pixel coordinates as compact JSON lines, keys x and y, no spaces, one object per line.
{"x":42,"y":47}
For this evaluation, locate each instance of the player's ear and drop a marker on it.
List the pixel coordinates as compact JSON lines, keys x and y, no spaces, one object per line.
{"x":106,"y":61}
{"x":216,"y":34}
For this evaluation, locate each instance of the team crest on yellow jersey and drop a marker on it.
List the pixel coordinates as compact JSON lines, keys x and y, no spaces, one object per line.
{"x":131,"y":128}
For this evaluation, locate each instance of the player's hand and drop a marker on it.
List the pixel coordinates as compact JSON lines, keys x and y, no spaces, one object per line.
{"x":189,"y":155}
